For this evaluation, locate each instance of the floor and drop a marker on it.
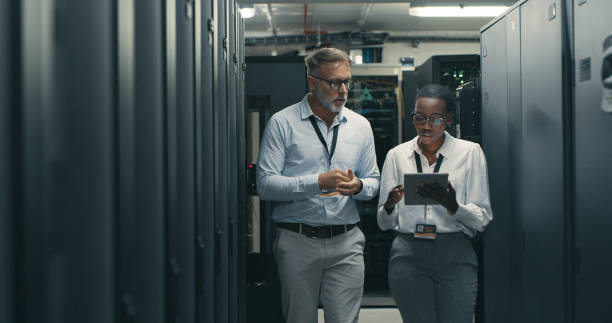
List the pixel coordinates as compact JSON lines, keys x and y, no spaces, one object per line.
{"x":374,"y":315}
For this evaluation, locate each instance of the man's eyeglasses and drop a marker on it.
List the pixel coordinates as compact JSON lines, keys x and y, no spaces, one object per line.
{"x":435,"y":119}
{"x":335,"y":84}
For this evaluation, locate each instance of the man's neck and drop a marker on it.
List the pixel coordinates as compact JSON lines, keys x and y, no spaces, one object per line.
{"x":320,"y":111}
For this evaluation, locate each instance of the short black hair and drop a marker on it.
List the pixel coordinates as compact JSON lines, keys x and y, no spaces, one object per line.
{"x":437,"y":91}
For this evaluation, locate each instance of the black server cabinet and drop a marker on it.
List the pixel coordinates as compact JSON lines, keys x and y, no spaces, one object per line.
{"x":542,"y":177}
{"x":221,"y":168}
{"x":271,"y":84}
{"x":67,"y":191}
{"x":232,"y":155}
{"x":409,"y":88}
{"x":7,"y":166}
{"x":593,"y":157}
{"x":242,"y":202}
{"x":525,"y":129}
{"x":448,"y":70}
{"x":204,"y":222}
{"x":140,"y":221}
{"x":495,"y":141}
{"x":180,"y":161}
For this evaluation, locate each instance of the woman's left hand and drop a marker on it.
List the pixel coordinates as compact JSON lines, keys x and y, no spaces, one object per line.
{"x":446,"y":197}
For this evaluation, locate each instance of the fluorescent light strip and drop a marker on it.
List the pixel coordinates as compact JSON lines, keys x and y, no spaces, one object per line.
{"x":247,"y":13}
{"x":466,"y":11}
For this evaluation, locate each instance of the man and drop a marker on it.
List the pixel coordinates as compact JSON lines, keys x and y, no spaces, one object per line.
{"x":316,"y":158}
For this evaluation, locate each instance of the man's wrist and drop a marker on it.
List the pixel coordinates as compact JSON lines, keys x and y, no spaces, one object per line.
{"x":360,"y":186}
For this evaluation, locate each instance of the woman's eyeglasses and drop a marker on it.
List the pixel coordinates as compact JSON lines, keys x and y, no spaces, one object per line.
{"x":435,"y":119}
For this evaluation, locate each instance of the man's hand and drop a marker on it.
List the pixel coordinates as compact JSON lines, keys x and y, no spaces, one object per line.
{"x":330,"y":180}
{"x":395,"y":195}
{"x":350,"y":187}
{"x":446,"y":197}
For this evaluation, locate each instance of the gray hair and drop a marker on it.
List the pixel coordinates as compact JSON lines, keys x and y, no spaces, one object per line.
{"x":324,"y":55}
{"x":437,"y":91}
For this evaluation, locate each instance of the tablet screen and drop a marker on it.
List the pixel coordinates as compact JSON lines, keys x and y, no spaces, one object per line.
{"x":412,"y":181}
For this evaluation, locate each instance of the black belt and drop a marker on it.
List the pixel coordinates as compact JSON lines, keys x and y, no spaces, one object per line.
{"x":322,"y":232}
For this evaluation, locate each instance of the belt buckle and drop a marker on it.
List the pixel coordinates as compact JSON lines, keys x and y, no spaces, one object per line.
{"x":313,"y":233}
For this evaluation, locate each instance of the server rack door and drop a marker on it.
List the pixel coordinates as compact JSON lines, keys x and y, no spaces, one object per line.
{"x":232,"y":151}
{"x":494,"y":143}
{"x":180,"y":161}
{"x":8,"y":161}
{"x":242,"y":174}
{"x":542,"y":163}
{"x":593,"y":157}
{"x":221,"y":165}
{"x":140,"y":218}
{"x":68,"y":169}
{"x":203,"y":47}
{"x":512,"y":222}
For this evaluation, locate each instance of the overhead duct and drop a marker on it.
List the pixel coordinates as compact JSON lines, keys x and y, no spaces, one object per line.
{"x":357,"y":39}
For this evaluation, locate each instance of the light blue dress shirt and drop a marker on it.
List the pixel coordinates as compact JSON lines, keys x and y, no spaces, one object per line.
{"x":291,"y":157}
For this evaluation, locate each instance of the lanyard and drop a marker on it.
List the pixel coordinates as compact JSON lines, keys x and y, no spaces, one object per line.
{"x":417,"y":160}
{"x":320,"y":135}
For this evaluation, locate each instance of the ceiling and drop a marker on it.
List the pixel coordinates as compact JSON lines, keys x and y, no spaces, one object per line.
{"x":334,"y":17}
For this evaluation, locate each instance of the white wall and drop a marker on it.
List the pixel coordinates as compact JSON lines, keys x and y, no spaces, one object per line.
{"x":393,"y":51}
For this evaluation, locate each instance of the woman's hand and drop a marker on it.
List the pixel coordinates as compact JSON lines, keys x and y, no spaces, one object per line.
{"x":446,"y":197}
{"x":395,"y":195}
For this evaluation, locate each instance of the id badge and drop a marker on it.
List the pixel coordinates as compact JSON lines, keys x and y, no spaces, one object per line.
{"x":425,"y":231}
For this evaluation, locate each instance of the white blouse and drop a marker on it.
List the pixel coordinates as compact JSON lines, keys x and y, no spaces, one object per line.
{"x":465,"y":163}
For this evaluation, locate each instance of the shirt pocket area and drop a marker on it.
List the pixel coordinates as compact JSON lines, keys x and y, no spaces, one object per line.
{"x":347,"y":155}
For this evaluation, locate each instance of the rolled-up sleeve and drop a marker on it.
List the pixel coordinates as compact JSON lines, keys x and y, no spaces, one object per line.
{"x":271,"y":185}
{"x":368,"y":170}
{"x":474,"y":210}
{"x":388,"y":181}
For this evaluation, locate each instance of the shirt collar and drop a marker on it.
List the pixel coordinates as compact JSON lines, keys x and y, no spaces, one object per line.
{"x":445,"y":149}
{"x":306,"y":111}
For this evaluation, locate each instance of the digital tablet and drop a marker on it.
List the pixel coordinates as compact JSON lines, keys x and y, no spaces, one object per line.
{"x":412,"y":181}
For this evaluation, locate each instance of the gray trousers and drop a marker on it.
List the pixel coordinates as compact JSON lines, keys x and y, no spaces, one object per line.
{"x":434,"y":281}
{"x":330,"y":271}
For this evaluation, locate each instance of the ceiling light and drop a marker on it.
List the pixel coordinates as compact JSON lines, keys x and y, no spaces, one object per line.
{"x":457,"y":11}
{"x":247,"y":11}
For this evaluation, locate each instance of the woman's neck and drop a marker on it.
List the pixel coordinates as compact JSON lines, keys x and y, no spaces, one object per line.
{"x":431,"y":149}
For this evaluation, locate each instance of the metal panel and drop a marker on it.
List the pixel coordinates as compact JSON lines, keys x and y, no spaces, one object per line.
{"x":7,"y":158}
{"x":204,"y":160}
{"x":232,"y":143}
{"x":221,"y":167}
{"x":68,"y":146}
{"x":242,"y":239}
{"x":541,"y":175}
{"x":512,"y":246}
{"x":409,"y":87}
{"x":182,"y":147}
{"x":141,"y":212}
{"x":593,"y":157}
{"x":495,"y":145}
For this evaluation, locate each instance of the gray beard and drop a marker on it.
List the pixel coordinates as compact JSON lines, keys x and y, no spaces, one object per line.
{"x":328,"y":105}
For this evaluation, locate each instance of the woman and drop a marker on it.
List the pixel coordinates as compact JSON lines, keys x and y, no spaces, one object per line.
{"x":435,"y":280}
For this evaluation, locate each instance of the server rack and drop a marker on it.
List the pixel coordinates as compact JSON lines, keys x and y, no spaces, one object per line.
{"x":592,"y":124}
{"x":526,"y":126}
{"x":375,"y":98}
{"x":106,"y":162}
{"x":140,"y":220}
{"x":204,"y":108}
{"x":7,"y":164}
{"x":267,"y":93}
